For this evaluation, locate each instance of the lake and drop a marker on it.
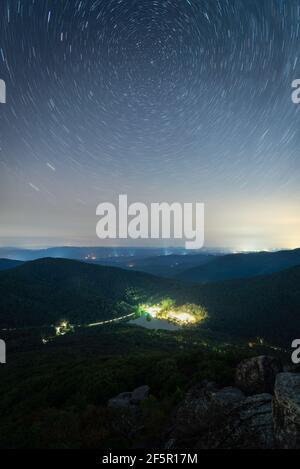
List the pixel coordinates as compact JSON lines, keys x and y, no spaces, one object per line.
{"x":155,"y":324}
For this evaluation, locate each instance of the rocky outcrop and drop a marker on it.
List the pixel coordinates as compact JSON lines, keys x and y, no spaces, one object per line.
{"x":250,"y":426}
{"x":228,"y":418}
{"x":123,"y":400}
{"x":130,"y":400}
{"x":202,"y":405}
{"x":220,"y":419}
{"x":257,"y":375}
{"x":139,"y":395}
{"x":286,"y":411}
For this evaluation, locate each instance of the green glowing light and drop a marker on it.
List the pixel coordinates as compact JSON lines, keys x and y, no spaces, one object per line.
{"x":184,"y":315}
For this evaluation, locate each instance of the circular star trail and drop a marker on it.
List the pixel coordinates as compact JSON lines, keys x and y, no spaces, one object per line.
{"x":160,"y":99}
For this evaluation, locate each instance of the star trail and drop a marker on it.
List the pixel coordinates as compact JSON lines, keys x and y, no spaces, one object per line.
{"x":163,"y":100}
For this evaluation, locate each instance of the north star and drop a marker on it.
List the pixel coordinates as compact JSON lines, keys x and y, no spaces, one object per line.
{"x":111,"y":459}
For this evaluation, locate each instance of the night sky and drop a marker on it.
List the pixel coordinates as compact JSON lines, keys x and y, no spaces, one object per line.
{"x":163,"y":100}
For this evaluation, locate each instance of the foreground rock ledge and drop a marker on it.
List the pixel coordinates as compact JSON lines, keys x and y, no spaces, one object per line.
{"x":286,"y":411}
{"x":257,"y":375}
{"x":210,"y":418}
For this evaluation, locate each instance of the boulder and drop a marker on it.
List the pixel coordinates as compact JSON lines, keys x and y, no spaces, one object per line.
{"x":204,"y":407}
{"x":286,"y":411}
{"x":257,"y":375}
{"x":140,"y":394}
{"x":122,"y":400}
{"x":210,"y":418}
{"x":130,"y":400}
{"x":249,"y":427}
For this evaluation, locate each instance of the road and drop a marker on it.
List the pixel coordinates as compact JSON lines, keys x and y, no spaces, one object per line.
{"x":102,"y":323}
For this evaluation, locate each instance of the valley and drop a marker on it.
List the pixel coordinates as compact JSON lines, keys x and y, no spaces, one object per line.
{"x":47,"y":291}
{"x":77,"y":334}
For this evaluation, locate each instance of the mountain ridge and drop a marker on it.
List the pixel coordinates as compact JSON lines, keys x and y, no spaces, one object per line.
{"x":241,"y":265}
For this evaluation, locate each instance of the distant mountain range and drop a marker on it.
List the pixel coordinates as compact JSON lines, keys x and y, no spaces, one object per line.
{"x":48,"y":290}
{"x":199,"y":267}
{"x":163,"y":266}
{"x":161,"y":262}
{"x":238,"y":266}
{"x":97,"y":253}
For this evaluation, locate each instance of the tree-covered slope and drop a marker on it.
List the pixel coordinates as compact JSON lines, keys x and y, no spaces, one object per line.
{"x":266,"y":306}
{"x":6,"y":264}
{"x":48,"y":290}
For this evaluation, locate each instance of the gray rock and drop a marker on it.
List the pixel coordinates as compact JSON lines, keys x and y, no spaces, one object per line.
{"x":204,"y":406}
{"x":130,"y":400}
{"x":251,"y":426}
{"x":122,"y":400}
{"x":257,"y":375}
{"x":140,"y":394}
{"x":286,"y":411}
{"x":228,"y":397}
{"x":210,"y":418}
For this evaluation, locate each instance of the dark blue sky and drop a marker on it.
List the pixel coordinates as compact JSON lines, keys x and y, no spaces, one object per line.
{"x":167,"y":100}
